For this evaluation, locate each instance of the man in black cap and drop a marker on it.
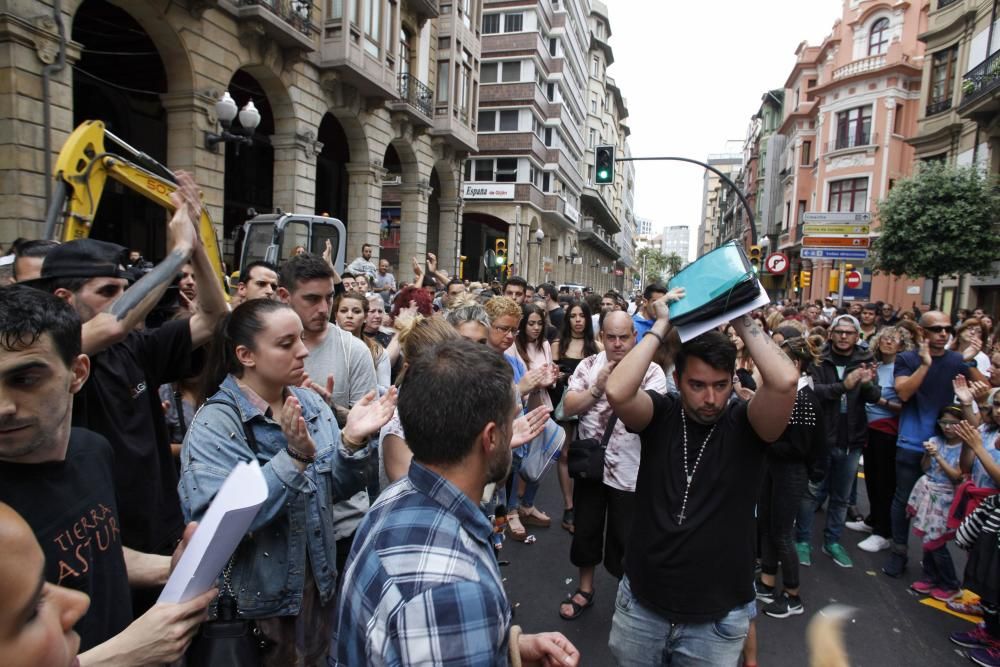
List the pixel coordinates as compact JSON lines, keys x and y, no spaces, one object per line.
{"x":120,"y":400}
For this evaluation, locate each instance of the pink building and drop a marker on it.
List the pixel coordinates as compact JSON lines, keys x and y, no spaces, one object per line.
{"x":850,"y":105}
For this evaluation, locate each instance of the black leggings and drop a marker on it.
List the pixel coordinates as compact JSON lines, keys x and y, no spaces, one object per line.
{"x":781,"y":493}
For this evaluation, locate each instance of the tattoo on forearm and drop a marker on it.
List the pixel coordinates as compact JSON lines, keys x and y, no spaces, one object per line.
{"x":162,"y":273}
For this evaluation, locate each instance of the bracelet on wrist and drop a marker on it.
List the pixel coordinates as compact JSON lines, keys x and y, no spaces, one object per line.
{"x":350,"y":444}
{"x":658,"y":336}
{"x":299,"y":456}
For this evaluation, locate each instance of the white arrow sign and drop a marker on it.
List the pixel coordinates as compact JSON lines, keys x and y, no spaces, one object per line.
{"x":836,"y":217}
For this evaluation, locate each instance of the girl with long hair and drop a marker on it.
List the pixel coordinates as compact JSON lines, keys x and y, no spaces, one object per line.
{"x":257,"y":411}
{"x":575,"y":343}
{"x":350,"y":312}
{"x":970,"y":342}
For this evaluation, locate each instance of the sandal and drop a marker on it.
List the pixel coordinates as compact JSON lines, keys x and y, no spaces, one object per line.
{"x":578,"y":608}
{"x":533,"y":516}
{"x":517,"y":530}
{"x":567,"y":521}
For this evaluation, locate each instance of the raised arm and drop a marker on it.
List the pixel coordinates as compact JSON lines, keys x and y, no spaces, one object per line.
{"x":211,"y":298}
{"x":907,"y":385}
{"x":771,"y":406}
{"x":633,"y":406}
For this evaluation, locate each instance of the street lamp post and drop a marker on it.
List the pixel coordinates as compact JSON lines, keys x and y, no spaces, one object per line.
{"x":572,"y":254}
{"x":226,"y":112}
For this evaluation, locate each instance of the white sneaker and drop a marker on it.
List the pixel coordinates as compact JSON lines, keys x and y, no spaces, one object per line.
{"x":859,"y":526}
{"x":874,"y":544}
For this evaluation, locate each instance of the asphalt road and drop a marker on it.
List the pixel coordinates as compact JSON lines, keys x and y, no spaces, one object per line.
{"x":890,"y":626}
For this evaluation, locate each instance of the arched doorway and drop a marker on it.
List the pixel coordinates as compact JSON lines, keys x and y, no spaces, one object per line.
{"x":119,"y":79}
{"x":332,"y":180}
{"x":249,"y":177}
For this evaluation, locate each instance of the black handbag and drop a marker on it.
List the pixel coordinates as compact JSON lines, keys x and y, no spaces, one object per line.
{"x":228,"y":639}
{"x":586,"y":456}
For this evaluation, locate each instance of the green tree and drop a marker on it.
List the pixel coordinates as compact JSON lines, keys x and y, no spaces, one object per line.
{"x":674,"y":263}
{"x":654,"y":263}
{"x":941,"y":221}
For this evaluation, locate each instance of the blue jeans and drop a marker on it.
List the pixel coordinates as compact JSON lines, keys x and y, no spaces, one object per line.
{"x":640,"y":637}
{"x":840,"y":476}
{"x":530,"y":491}
{"x":908,"y":471}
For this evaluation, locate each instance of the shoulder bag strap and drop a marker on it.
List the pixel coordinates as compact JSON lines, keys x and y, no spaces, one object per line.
{"x":178,"y":401}
{"x":609,"y":430}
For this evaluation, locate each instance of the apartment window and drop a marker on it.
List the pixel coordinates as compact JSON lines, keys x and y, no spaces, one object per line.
{"x":373,"y":26}
{"x":806,"y":153}
{"x":878,"y":38}
{"x":802,"y":211}
{"x":487,"y":121}
{"x":507,"y":170}
{"x":508,"y":120}
{"x":553,"y":46}
{"x":491,"y":24}
{"x":405,"y":51}
{"x":336,"y":10}
{"x":592,"y":138}
{"x":511,"y":71}
{"x":484,"y":170}
{"x":513,"y":22}
{"x":597,"y":66}
{"x":898,"y":120}
{"x":593,"y":105}
{"x":444,"y":68}
{"x":550,"y":92}
{"x":943,"y":64}
{"x":849,"y":195}
{"x":503,"y":71}
{"x":548,"y":137}
{"x":854,"y":127}
{"x":546,"y":182}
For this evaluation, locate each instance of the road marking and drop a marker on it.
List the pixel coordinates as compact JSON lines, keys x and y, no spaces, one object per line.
{"x":941,"y":606}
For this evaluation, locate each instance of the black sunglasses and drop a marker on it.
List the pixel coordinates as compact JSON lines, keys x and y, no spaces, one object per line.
{"x":939,"y":328}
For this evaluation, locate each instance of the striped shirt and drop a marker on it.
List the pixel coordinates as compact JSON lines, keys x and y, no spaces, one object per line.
{"x":421,"y":585}
{"x":984,"y":519}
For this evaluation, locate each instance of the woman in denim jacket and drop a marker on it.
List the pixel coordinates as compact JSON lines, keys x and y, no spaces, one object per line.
{"x":283,"y":575}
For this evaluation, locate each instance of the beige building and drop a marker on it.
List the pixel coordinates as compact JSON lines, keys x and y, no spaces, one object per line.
{"x":368,"y":109}
{"x":713,"y":200}
{"x":959,"y":111}
{"x":545,"y":100}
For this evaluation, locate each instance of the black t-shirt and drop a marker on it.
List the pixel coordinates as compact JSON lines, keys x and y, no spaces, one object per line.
{"x":71,"y":508}
{"x":702,"y":569}
{"x":556,"y":316}
{"x":120,"y":401}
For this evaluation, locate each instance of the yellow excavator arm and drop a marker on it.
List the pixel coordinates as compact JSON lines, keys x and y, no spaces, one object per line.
{"x":83,"y":168}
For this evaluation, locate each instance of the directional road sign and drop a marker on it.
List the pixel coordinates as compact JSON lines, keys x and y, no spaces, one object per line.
{"x":819,"y":253}
{"x":836,"y":217}
{"x":812,"y":229}
{"x":776,"y":263}
{"x":843,"y":241}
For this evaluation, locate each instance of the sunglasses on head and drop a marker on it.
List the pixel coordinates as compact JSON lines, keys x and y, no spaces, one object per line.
{"x":939,"y":328}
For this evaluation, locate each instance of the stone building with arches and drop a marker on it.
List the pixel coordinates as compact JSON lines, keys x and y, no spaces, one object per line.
{"x":368,"y":110}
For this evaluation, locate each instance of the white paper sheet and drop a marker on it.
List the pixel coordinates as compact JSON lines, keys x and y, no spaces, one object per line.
{"x":695,"y":329}
{"x":218,"y":534}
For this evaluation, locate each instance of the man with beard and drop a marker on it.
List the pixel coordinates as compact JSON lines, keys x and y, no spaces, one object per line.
{"x":339,"y":364}
{"x":422,"y":585}
{"x":688,"y":586}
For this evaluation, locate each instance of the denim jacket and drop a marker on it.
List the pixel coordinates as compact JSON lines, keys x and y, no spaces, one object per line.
{"x":268,"y":573}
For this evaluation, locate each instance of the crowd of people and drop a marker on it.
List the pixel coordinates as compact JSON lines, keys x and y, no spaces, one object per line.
{"x":402,"y":428}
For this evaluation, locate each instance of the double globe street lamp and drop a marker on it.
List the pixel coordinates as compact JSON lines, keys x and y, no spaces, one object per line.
{"x":226,"y":112}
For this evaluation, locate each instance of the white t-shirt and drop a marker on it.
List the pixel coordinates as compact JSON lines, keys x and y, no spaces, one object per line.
{"x":621,"y":459}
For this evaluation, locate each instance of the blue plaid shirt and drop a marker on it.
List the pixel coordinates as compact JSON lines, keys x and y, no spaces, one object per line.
{"x":421,"y":584}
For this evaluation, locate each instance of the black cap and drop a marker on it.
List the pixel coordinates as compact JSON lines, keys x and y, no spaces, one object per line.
{"x":84,"y":258}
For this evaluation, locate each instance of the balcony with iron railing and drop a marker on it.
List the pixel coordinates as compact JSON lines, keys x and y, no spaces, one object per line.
{"x":944,"y":3}
{"x":977,"y":86}
{"x":415,"y":98}
{"x":289,"y":23}
{"x":938,"y":106}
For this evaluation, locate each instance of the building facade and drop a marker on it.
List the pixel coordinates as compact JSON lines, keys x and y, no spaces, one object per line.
{"x":958,"y":112}
{"x":368,"y":110}
{"x":545,"y":103}
{"x":850,"y":104}
{"x":676,"y":240}
{"x":713,"y":200}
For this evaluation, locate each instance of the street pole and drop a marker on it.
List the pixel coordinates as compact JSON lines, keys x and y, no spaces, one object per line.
{"x":840,"y":282}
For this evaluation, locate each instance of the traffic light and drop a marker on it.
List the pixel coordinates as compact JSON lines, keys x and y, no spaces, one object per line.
{"x":755,"y":258}
{"x":833,"y":284}
{"x":795,"y":282}
{"x":500,"y":248}
{"x":805,"y":278}
{"x":604,"y":171}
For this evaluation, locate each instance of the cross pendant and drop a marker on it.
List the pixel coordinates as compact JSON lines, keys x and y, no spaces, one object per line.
{"x":680,"y":518}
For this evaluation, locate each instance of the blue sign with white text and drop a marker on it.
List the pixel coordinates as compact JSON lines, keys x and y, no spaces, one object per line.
{"x":831,"y":253}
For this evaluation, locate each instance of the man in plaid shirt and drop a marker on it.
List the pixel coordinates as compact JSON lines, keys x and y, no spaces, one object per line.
{"x":421,"y":585}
